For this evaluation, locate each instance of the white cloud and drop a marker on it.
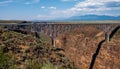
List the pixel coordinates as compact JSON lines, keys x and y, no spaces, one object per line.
{"x":42,"y":7}
{"x":31,"y":2}
{"x":68,"y":0}
{"x":27,"y":2}
{"x":43,"y":16}
{"x":97,"y":3}
{"x":94,"y":6}
{"x":6,"y":1}
{"x":54,"y":14}
{"x":52,"y":7}
{"x":97,"y":7}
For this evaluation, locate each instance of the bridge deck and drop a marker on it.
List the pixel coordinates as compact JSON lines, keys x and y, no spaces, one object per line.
{"x":54,"y":29}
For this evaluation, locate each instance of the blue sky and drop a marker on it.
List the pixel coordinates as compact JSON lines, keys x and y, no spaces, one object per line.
{"x":54,"y":9}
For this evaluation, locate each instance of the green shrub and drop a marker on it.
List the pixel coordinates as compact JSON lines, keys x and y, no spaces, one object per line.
{"x":35,"y":65}
{"x":49,"y":66}
{"x":4,"y":58}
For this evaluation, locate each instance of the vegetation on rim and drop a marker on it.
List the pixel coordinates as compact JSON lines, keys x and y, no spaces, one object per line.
{"x":25,"y":51}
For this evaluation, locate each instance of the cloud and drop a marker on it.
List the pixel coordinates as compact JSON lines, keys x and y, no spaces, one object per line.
{"x":6,"y":2}
{"x":42,"y":7}
{"x":27,"y":2}
{"x":31,"y":2}
{"x":68,"y":0}
{"x":52,"y":7}
{"x":98,"y":3}
{"x":54,"y":15}
{"x":97,"y":7}
{"x":43,"y":17}
{"x":113,"y":4}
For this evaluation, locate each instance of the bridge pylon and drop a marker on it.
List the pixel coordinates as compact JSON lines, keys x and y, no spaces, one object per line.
{"x":107,"y":37}
{"x":53,"y":41}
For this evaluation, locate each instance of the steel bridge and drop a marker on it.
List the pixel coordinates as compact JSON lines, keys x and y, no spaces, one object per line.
{"x":55,"y":29}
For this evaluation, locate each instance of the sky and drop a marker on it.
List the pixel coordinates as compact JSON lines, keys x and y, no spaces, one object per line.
{"x":56,"y":9}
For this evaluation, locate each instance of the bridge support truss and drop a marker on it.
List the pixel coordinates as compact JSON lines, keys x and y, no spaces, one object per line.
{"x":55,"y":29}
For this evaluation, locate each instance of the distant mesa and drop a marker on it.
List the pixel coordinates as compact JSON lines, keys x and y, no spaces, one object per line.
{"x":94,"y":17}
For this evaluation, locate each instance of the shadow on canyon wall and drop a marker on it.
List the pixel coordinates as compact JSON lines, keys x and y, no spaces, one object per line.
{"x":99,"y":47}
{"x":114,"y":31}
{"x":96,"y":54}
